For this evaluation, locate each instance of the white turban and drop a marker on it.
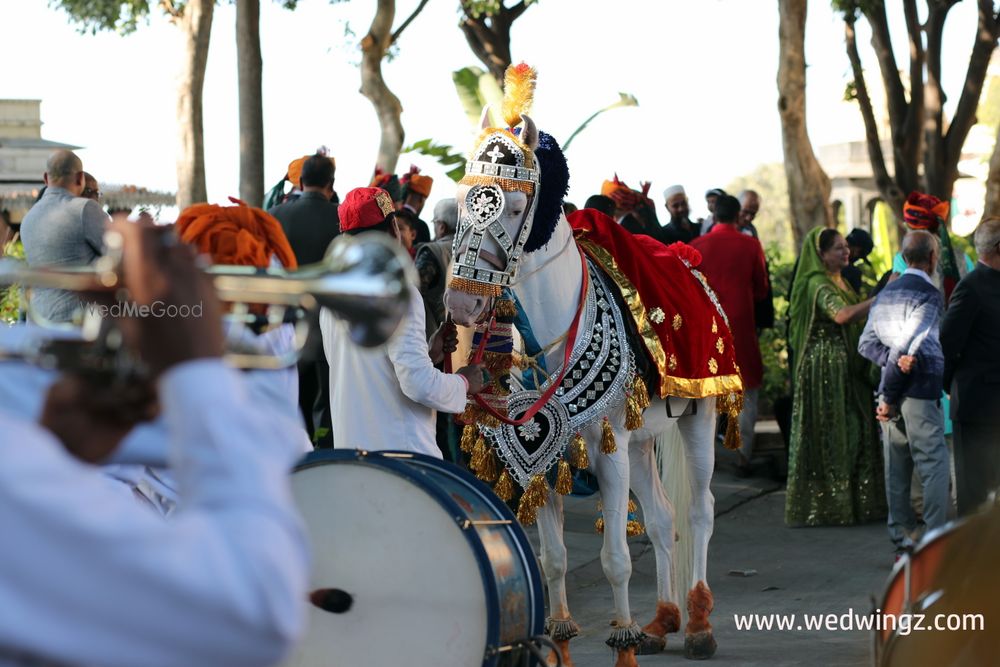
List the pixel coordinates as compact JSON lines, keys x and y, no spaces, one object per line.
{"x":673,"y":191}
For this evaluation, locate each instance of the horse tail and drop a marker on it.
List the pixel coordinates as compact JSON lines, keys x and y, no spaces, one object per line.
{"x":674,"y":475}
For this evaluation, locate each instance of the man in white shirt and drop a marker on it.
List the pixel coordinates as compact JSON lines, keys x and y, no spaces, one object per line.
{"x":385,"y":398}
{"x":88,"y":577}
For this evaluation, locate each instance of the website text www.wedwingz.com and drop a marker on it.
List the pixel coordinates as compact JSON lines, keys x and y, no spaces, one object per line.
{"x":902,"y":624}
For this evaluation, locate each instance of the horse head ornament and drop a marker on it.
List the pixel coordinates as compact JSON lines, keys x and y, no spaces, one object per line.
{"x":505,"y":210}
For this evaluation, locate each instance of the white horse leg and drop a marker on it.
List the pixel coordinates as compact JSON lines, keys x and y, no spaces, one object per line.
{"x":560,"y":626}
{"x":659,"y":516}
{"x":612,"y":472}
{"x":698,"y":433}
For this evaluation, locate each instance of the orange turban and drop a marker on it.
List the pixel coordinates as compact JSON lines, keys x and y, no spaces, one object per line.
{"x":420,"y":184}
{"x":923,"y":211}
{"x":294,"y":174}
{"x":625,"y":198}
{"x":237,"y":235}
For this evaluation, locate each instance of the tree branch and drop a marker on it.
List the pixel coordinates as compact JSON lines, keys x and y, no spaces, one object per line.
{"x":409,"y":19}
{"x":987,"y":32}
{"x":170,"y":9}
{"x":882,"y":44}
{"x":887,"y":187}
{"x":515,"y":12}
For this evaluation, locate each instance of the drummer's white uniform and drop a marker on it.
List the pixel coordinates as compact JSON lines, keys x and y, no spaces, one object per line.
{"x":140,"y":462}
{"x":88,"y":578}
{"x":385,"y":398}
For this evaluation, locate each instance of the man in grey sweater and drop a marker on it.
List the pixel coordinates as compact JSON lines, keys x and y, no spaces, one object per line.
{"x":62,"y":229}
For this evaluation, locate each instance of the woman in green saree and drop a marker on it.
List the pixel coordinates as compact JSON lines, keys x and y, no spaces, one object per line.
{"x":835,"y":474}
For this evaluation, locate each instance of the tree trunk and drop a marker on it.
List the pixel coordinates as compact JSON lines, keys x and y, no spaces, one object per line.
{"x":196,"y":27}
{"x":992,"y":204}
{"x":373,"y":86}
{"x":808,"y":184}
{"x":249,"y":66}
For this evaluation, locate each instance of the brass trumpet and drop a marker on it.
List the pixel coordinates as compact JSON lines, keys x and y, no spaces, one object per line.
{"x":363,"y":280}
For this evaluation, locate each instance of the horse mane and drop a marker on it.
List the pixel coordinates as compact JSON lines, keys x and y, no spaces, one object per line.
{"x":554,"y":186}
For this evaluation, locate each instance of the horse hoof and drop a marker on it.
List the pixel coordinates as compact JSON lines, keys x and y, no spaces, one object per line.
{"x":626,"y":658}
{"x":699,"y":646}
{"x":668,"y":619}
{"x":651,"y":645}
{"x":563,"y":646}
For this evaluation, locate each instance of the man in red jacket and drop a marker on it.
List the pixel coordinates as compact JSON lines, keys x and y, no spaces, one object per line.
{"x":733,"y":262}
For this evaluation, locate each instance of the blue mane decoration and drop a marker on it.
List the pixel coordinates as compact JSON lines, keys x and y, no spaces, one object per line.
{"x":554,"y":186}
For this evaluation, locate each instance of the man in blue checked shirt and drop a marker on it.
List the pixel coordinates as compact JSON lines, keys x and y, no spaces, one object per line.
{"x":902,"y":336}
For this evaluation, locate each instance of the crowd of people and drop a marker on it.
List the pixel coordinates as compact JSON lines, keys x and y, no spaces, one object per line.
{"x":874,"y":362}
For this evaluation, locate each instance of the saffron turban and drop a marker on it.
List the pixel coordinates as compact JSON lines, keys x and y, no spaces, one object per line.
{"x":236,"y":235}
{"x":922,"y":211}
{"x":294,"y":173}
{"x":420,"y":184}
{"x":624,"y":197}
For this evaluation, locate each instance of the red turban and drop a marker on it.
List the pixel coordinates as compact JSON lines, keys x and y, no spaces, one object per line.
{"x":922,"y":211}
{"x":364,"y":207}
{"x":237,"y":235}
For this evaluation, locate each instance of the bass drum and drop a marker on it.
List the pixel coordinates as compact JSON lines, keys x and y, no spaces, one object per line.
{"x":416,"y":563}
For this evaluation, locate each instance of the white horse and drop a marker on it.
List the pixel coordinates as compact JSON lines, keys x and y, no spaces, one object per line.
{"x":548,"y":287}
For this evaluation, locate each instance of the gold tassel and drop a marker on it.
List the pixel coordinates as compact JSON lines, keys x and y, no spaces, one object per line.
{"x":641,"y":393}
{"x":488,"y":471}
{"x":505,"y":487}
{"x":564,"y":480}
{"x":732,"y":441}
{"x":578,"y":451}
{"x":479,"y":454}
{"x":506,"y":308}
{"x":634,"y":528}
{"x":608,"y":445}
{"x":599,"y":525}
{"x":633,"y":413}
{"x":534,"y":497}
{"x":632,"y":507}
{"x":469,"y":434}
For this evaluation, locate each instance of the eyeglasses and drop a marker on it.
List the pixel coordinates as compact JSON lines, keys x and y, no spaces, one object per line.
{"x":92,"y":194}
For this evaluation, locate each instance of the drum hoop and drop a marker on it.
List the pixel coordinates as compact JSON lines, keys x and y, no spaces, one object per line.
{"x":514,"y":529}
{"x":393,"y":462}
{"x":928,"y":538}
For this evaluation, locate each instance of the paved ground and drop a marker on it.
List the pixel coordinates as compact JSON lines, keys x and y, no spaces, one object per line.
{"x":805,"y":570}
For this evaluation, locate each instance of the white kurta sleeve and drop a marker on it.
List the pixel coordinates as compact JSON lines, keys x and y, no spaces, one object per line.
{"x":88,"y":576}
{"x":419,"y":380}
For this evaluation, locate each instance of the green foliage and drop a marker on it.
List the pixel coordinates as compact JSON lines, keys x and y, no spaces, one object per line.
{"x":774,"y":342}
{"x":480,"y":8}
{"x":10,"y":297}
{"x":774,"y":221}
{"x":443,"y":153}
{"x":989,"y":104}
{"x":851,"y":91}
{"x":624,"y":100}
{"x":478,"y":90}
{"x":121,"y":16}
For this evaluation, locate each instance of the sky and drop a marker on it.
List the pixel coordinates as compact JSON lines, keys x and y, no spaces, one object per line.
{"x":703,"y":71}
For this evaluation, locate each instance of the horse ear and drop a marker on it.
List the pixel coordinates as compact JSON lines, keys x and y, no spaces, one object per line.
{"x":484,"y":122}
{"x":529,"y":133}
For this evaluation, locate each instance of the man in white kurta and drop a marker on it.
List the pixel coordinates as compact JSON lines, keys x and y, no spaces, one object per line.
{"x":89,"y":577}
{"x":385,"y":398}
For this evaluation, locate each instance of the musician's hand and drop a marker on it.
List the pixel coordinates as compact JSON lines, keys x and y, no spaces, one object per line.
{"x":476,"y":375}
{"x":443,"y":341}
{"x":906,"y":363}
{"x":185,"y":318}
{"x":91,"y":416}
{"x":885,"y":412}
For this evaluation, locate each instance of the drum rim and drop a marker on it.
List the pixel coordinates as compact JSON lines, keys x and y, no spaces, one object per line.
{"x":929,"y":537}
{"x":515,"y":529}
{"x":393,"y":461}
